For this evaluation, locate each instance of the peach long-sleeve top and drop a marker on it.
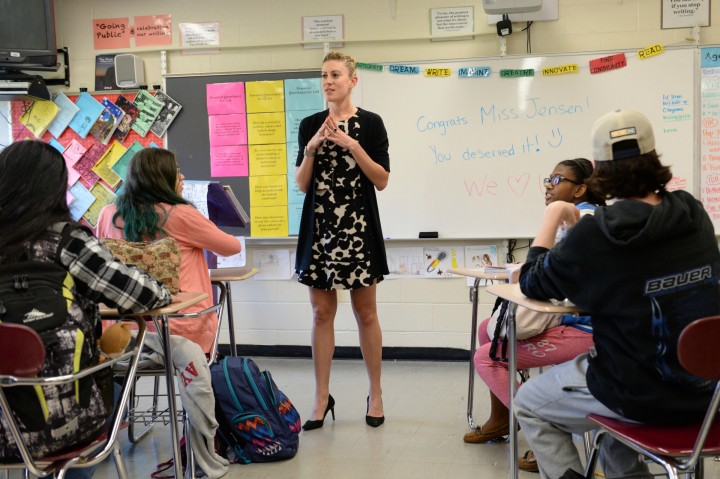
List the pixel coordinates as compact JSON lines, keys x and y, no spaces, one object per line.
{"x":194,"y":233}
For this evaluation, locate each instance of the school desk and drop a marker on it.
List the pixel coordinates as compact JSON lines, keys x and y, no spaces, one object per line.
{"x":181,"y":301}
{"x":478,"y":274}
{"x":512,"y":293}
{"x":222,"y":277}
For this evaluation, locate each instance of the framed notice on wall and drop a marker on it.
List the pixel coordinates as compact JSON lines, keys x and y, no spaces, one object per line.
{"x":685,"y":13}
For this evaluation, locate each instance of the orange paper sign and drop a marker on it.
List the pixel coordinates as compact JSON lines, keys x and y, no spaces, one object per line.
{"x":153,"y":30}
{"x":111,"y":33}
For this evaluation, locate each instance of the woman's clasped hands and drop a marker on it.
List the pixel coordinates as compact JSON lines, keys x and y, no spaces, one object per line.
{"x":329,"y":131}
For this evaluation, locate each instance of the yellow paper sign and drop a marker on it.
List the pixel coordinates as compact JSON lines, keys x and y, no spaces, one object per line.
{"x":264,"y":96}
{"x":560,"y":69}
{"x":268,"y":190}
{"x":651,"y":51}
{"x":269,"y":221}
{"x":268,"y":159}
{"x":266,"y":128}
{"x":437,"y":72}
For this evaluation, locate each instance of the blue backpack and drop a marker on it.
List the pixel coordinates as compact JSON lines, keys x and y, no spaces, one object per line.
{"x":257,"y":421}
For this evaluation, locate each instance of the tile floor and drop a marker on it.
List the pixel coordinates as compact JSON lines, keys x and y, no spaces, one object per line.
{"x":425,"y":407}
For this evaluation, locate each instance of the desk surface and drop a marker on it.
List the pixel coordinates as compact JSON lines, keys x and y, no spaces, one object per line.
{"x":512,"y":292}
{"x":478,"y":273}
{"x":232,"y":274}
{"x":180,"y":301}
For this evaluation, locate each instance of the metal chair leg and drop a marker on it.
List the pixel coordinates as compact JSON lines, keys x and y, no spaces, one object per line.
{"x":119,"y":462}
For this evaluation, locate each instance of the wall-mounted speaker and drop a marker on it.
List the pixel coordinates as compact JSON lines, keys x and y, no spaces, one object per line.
{"x":503,"y":7}
{"x":129,"y":71}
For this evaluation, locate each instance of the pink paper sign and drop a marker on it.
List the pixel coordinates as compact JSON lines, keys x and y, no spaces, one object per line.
{"x":111,"y":33}
{"x":228,"y":161}
{"x":225,"y":98}
{"x":153,"y":30}
{"x":228,"y":130}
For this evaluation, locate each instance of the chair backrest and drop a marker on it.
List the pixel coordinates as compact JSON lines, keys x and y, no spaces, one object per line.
{"x":22,"y":352}
{"x":698,"y":351}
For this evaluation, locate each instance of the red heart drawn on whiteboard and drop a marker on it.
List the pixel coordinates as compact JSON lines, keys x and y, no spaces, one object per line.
{"x":519,"y":183}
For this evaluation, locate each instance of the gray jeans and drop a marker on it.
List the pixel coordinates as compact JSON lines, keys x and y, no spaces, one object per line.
{"x":552,"y":407}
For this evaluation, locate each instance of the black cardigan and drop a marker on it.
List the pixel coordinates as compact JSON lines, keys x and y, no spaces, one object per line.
{"x":373,"y":138}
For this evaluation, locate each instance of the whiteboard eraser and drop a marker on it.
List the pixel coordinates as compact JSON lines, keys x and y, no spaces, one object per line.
{"x":428,"y":234}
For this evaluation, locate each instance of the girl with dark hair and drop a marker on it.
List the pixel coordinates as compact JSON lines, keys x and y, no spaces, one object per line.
{"x":566,"y":183}
{"x":150,"y":207}
{"x":33,"y":215}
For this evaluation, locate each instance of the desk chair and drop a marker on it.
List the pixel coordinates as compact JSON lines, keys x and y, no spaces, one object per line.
{"x":22,"y":356}
{"x":679,"y":449}
{"x":147,"y":417}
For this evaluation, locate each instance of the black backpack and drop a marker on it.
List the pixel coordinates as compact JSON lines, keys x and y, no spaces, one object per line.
{"x":40,"y":293}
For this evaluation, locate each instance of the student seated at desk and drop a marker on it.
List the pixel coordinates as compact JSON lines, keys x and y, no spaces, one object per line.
{"x":654,"y":263}
{"x":151,"y":206}
{"x":33,"y":216}
{"x":556,"y":345}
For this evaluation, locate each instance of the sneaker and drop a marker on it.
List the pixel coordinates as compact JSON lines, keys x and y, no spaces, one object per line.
{"x":478,"y":436}
{"x":528,"y":462}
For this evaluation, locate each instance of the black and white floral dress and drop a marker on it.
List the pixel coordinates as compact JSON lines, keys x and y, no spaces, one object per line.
{"x":341,"y":255}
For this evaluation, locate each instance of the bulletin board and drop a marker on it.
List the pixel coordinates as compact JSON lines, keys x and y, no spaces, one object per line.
{"x":190,"y":139}
{"x":97,"y":184}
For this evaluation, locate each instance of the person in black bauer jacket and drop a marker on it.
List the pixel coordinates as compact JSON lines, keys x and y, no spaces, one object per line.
{"x":654,"y":261}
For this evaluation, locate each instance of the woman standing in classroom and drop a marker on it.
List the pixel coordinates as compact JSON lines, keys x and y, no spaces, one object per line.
{"x":343,"y":159}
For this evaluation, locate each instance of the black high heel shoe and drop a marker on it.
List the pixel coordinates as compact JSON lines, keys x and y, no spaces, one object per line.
{"x":373,"y":421}
{"x":311,"y":424}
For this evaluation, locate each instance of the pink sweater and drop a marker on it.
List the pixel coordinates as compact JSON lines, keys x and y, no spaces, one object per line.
{"x":194,"y":233}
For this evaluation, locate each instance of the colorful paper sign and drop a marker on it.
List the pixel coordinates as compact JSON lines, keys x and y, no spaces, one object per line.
{"x":111,"y":33}
{"x":604,"y":64}
{"x":225,"y":98}
{"x":153,"y":30}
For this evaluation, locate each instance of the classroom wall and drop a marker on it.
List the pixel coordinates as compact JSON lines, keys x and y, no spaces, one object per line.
{"x":264,"y":35}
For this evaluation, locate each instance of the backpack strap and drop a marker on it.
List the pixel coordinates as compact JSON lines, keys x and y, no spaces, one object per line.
{"x":500,"y":323}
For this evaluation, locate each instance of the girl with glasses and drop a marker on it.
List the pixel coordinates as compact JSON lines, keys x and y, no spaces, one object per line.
{"x":556,"y":345}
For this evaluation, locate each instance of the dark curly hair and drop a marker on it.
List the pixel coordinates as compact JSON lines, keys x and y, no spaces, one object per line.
{"x":632,"y":177}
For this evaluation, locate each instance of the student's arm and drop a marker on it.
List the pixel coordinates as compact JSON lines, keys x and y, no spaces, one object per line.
{"x":555,"y":214}
{"x":102,"y":278}
{"x":539,"y":276}
{"x":189,"y":226}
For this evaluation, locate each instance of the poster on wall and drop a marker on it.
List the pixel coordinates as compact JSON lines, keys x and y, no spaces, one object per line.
{"x":685,"y":13}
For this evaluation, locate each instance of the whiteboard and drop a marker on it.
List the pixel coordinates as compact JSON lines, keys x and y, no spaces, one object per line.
{"x":468,"y":155}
